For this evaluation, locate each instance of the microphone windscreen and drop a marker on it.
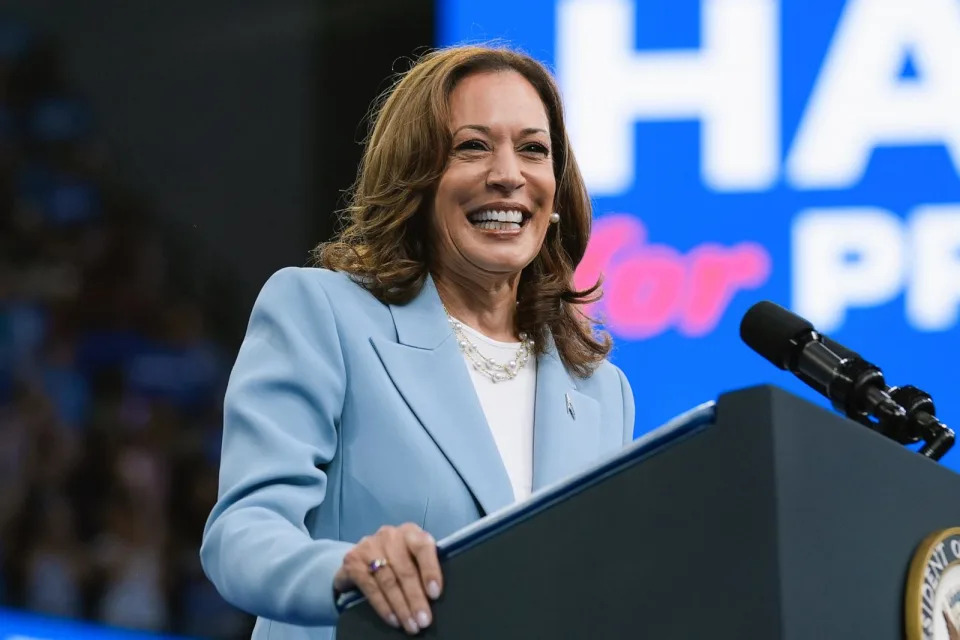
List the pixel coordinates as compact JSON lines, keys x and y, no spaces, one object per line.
{"x":770,"y":330}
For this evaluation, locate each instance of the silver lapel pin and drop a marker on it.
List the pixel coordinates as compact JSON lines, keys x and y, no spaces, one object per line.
{"x":573,"y":414}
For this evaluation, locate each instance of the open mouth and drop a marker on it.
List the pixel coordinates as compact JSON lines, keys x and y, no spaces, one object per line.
{"x":494,"y":220}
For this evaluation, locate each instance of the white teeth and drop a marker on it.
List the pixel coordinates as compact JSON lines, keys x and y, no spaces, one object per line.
{"x":492,"y":225}
{"x":498,"y":216}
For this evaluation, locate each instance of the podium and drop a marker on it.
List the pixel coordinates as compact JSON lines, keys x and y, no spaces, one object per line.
{"x":762,"y":516}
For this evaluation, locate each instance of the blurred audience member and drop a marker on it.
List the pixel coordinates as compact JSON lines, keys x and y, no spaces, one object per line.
{"x":111,"y":377}
{"x":130,"y":554}
{"x":56,"y":566}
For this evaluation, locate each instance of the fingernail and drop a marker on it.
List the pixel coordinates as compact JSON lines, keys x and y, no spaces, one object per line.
{"x":412,"y":626}
{"x":424,"y":619}
{"x":433,"y":589}
{"x":393,"y":621}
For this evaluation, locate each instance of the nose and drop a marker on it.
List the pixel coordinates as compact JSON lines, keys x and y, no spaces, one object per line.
{"x":505,"y":173}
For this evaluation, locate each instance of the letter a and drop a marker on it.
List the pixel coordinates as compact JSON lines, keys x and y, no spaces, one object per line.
{"x":861,"y":101}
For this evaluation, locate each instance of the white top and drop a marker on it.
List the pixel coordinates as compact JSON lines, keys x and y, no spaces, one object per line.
{"x":508,"y":407}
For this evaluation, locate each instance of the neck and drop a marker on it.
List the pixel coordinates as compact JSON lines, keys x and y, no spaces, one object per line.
{"x":489,"y":306}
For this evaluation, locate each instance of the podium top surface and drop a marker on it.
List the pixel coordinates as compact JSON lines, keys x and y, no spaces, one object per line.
{"x":649,"y":444}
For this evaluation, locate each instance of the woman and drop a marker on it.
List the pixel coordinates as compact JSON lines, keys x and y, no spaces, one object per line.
{"x":437,"y":369}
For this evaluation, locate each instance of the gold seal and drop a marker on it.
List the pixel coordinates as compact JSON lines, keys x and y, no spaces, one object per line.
{"x":933,"y":588}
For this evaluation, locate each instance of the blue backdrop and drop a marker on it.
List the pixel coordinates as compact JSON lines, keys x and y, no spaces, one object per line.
{"x":803,"y":151}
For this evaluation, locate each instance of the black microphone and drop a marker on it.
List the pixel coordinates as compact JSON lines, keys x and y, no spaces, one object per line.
{"x":855,"y":387}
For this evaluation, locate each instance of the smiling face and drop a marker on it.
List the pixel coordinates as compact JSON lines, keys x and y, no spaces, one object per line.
{"x":493,"y":203}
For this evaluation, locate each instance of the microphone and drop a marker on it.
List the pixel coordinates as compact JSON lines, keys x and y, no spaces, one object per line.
{"x":854,"y":386}
{"x":916,"y":402}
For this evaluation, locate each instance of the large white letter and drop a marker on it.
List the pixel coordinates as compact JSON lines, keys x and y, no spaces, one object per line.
{"x":843,"y":258}
{"x":731,"y":83}
{"x":860,"y":101}
{"x":933,"y":296}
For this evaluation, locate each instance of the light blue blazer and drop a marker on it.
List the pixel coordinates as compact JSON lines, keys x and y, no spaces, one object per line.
{"x":343,"y":414}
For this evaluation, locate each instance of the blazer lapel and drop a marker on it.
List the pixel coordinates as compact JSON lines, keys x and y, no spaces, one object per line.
{"x":426,"y":366}
{"x":566,"y":425}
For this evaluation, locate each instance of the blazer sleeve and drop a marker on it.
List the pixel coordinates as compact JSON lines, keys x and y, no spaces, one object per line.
{"x":629,"y":409}
{"x":281,"y":411}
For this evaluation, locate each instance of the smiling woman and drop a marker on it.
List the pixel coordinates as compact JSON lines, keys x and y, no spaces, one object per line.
{"x":492,"y":205}
{"x":435,"y":369}
{"x":489,"y":121}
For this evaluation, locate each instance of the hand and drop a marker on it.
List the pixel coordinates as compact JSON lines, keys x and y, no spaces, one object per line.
{"x":398,"y":590}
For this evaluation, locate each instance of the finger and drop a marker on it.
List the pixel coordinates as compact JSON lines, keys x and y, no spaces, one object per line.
{"x":407,"y":572}
{"x":424,"y":550}
{"x":389,"y":584}
{"x":371,"y":589}
{"x":357,"y":574}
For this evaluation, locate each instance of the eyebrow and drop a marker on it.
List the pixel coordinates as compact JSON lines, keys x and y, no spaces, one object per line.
{"x":485,"y":129}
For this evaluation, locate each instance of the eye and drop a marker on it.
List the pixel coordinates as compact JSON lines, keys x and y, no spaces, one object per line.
{"x":535,"y":147}
{"x":472,"y":145}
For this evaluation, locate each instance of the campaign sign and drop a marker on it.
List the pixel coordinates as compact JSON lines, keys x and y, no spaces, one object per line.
{"x":801,"y":151}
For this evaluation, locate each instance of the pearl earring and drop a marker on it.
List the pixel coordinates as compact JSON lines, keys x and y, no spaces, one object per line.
{"x":554,"y":218}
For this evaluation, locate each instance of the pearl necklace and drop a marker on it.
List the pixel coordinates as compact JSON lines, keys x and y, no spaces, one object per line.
{"x":489,"y":367}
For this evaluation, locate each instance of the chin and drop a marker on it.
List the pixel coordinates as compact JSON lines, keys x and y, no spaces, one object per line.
{"x":505,"y":267}
{"x":504,"y":258}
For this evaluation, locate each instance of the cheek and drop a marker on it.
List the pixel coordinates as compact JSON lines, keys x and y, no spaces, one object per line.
{"x":456,"y":186}
{"x":546,"y":185}
{"x":444,"y":204}
{"x":543,"y":229}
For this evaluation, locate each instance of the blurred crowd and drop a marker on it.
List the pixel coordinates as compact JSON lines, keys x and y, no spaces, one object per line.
{"x":112,"y":368}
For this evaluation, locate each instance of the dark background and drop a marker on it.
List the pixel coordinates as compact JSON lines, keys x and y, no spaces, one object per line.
{"x":210,"y":144}
{"x":240,"y":120}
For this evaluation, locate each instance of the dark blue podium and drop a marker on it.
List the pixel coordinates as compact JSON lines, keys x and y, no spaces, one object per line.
{"x":760,"y":516}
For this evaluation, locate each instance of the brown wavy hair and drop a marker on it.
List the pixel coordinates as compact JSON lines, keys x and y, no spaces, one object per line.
{"x":386,"y":242}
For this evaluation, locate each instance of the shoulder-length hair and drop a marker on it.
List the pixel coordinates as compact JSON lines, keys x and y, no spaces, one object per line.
{"x":386,"y":244}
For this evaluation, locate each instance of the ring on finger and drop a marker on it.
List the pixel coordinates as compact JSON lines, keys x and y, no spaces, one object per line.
{"x":377,"y":564}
